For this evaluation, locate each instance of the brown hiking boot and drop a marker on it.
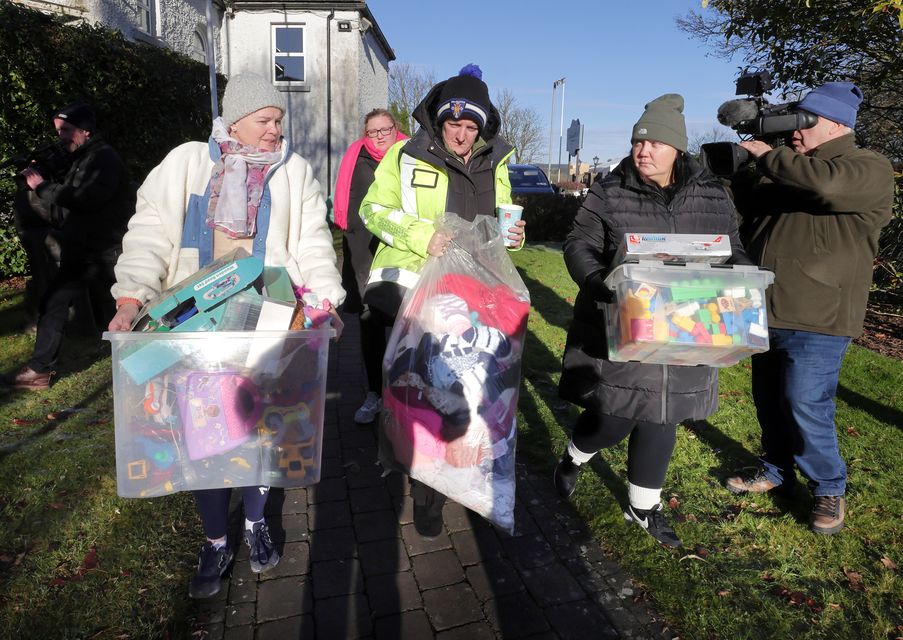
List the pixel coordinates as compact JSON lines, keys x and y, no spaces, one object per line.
{"x":827,"y":514}
{"x":755,"y":483}
{"x":28,"y":378}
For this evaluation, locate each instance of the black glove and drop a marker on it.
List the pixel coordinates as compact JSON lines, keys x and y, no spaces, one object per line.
{"x":595,"y":287}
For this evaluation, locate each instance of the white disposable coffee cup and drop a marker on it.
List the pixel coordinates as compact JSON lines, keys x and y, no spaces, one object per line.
{"x":508,"y":214}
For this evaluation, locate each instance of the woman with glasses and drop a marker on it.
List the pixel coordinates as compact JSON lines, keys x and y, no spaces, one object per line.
{"x":358,"y":244}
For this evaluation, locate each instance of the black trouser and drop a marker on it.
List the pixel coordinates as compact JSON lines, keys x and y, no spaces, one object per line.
{"x":213,"y":507}
{"x":67,"y":287}
{"x":374,"y":324}
{"x":648,"y":450}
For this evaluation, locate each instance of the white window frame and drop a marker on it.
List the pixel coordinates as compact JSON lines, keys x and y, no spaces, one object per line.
{"x":147,"y":11}
{"x":203,"y":40}
{"x":298,"y":84}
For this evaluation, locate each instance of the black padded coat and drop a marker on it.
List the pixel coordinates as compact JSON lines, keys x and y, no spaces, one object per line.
{"x":618,"y":204}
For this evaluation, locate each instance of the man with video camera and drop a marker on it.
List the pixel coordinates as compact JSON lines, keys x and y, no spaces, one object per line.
{"x":813,"y":210}
{"x":85,"y":199}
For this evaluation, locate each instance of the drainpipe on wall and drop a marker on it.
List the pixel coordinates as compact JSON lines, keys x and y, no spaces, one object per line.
{"x":329,"y":102}
{"x":211,"y":63}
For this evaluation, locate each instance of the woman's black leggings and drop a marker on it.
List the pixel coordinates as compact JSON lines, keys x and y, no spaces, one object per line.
{"x":213,"y":507}
{"x":648,"y":450}
{"x":373,"y":346}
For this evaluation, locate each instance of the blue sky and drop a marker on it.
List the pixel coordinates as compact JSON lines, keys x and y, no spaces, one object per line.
{"x":616,"y":56}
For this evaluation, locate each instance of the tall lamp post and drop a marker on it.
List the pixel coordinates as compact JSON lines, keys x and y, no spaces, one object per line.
{"x":561,"y":129}
{"x":595,"y":162}
{"x":551,"y":120}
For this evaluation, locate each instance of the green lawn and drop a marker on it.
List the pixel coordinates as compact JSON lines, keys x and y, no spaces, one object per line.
{"x":751,"y":568}
{"x":76,"y":561}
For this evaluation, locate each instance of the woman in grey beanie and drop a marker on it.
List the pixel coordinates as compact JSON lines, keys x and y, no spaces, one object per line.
{"x":658,"y":188}
{"x":244,"y":188}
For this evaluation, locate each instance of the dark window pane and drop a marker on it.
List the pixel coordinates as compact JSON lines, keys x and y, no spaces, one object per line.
{"x":289,"y":69}
{"x":289,"y":40}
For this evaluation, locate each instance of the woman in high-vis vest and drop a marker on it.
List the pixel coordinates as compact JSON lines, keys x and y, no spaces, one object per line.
{"x":454,"y":163}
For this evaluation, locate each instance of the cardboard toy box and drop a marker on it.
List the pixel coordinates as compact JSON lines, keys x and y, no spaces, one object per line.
{"x":211,"y":421}
{"x":680,"y":247}
{"x":686,"y":314}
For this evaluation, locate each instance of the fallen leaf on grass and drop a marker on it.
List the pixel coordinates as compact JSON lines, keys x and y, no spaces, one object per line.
{"x":63,"y":413}
{"x":691,"y":556}
{"x":724,"y":592}
{"x":796,"y":598}
{"x":22,"y":422}
{"x":855,"y":579}
{"x":57,"y":505}
{"x":58,"y":582}
{"x":834,"y":605}
{"x":890,"y":564}
{"x":852,"y":432}
{"x":673,"y":503}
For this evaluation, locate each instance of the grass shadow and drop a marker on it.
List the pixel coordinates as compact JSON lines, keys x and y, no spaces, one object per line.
{"x":880,"y":411}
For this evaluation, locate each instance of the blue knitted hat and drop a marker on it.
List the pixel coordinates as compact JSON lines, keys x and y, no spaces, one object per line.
{"x":837,"y":101}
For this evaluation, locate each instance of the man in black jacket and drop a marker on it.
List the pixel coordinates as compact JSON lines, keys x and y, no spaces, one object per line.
{"x":88,"y":209}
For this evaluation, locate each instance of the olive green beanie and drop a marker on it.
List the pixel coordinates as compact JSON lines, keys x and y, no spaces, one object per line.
{"x":663,"y":120}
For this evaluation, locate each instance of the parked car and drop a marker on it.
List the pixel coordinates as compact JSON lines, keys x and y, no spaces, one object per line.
{"x":528,"y":179}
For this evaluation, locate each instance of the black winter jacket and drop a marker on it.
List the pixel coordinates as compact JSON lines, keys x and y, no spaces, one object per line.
{"x":92,"y":204}
{"x":358,"y":244}
{"x":618,"y":204}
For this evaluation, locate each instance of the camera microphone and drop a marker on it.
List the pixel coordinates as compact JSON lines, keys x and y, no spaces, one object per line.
{"x":734,"y":112}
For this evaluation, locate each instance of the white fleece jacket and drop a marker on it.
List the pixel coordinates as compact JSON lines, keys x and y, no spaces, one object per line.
{"x":298,"y":239}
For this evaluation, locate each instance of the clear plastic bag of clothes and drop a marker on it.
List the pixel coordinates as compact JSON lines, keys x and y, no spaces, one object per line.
{"x":451,"y":373}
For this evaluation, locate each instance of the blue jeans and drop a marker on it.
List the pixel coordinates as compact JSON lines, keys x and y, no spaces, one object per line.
{"x":793,"y":385}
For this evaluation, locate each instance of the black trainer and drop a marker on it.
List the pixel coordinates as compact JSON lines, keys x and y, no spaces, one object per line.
{"x":212,"y":564}
{"x":653,"y":521}
{"x":565,"y":476}
{"x":263,"y":554}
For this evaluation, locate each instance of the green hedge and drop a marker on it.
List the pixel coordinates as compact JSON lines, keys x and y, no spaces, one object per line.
{"x":148,"y":99}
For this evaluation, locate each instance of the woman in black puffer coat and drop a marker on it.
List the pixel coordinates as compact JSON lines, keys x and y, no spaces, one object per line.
{"x":657,"y":189}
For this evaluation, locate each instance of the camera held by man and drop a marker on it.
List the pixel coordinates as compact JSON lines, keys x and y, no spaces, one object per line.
{"x":755,"y":118}
{"x":813,"y":207}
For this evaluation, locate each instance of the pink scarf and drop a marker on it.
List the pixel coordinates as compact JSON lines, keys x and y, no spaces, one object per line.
{"x":346,"y":171}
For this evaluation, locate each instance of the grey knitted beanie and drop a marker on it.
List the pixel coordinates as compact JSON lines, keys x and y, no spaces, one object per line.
{"x":247,"y":93}
{"x":663,"y":120}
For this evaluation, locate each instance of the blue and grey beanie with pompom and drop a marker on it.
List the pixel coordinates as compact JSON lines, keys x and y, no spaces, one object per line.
{"x":465,"y":96}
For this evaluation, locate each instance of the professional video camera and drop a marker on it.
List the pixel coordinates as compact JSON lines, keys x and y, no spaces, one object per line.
{"x":49,"y":158}
{"x":755,"y":118}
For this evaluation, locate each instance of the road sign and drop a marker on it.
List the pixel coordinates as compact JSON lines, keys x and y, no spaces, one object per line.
{"x":575,"y":137}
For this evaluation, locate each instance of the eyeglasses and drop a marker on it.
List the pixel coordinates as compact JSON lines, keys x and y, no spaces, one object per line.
{"x":372,"y":133}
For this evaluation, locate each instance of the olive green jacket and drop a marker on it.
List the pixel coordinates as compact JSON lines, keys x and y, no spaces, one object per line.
{"x":814,"y":220}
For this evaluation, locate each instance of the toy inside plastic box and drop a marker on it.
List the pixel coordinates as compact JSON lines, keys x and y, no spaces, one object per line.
{"x":212,"y":421}
{"x":689,"y":314}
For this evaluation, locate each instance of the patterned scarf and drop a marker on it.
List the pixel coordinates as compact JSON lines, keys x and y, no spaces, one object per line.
{"x":236,"y":184}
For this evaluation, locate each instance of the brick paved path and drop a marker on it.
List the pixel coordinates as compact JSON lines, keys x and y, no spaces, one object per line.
{"x":353,"y":566}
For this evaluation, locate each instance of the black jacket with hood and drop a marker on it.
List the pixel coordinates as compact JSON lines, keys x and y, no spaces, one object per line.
{"x":620,"y":203}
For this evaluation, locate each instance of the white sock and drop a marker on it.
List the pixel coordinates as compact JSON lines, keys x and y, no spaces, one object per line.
{"x":643,"y":498}
{"x":249,"y":526}
{"x":218,"y":543}
{"x":578,"y":456}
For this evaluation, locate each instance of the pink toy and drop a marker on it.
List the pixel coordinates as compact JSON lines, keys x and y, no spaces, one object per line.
{"x":219,"y":411}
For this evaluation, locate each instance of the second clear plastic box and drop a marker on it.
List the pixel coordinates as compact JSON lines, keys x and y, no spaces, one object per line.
{"x":207,"y":410}
{"x":686,"y":314}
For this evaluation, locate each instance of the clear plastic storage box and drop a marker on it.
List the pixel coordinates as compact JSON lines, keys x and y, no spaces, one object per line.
{"x":687,"y":314}
{"x":206,"y":410}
